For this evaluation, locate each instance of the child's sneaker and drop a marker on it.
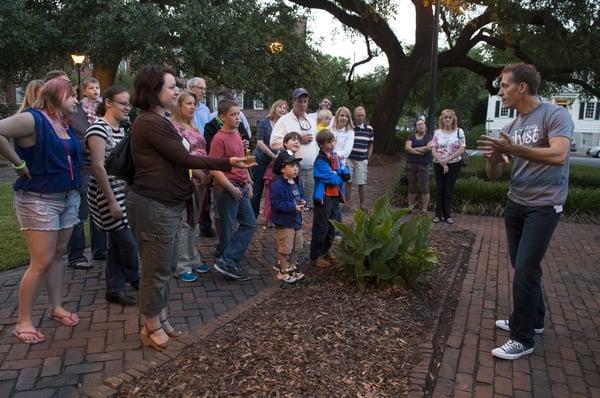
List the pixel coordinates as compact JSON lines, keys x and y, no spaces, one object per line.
{"x":286,"y":277}
{"x":298,"y":275}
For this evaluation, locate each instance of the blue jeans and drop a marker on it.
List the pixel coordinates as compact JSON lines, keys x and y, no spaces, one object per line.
{"x":258,"y":172}
{"x":233,"y":243}
{"x":528,"y":230}
{"x":122,"y":260}
{"x":77,"y":240}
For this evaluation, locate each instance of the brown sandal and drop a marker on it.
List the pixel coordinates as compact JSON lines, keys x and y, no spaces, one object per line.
{"x":147,"y":340}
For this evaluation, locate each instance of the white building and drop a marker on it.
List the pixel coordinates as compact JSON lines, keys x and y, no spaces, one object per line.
{"x":585,"y":114}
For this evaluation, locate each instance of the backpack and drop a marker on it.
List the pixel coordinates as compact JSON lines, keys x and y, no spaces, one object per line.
{"x":120,"y":161}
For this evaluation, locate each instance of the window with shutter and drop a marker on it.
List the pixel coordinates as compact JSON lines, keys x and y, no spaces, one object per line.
{"x":581,"y":110}
{"x":497,"y":111}
{"x":597,"y":111}
{"x":590,"y":107}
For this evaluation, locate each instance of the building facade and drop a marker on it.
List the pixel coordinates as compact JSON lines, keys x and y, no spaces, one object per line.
{"x":584,"y":111}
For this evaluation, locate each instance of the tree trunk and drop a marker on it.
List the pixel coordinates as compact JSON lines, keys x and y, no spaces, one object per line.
{"x":106,"y":74}
{"x":401,"y":78}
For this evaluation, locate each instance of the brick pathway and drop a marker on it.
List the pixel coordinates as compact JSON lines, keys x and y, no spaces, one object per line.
{"x":105,"y":349}
{"x":566,"y":361}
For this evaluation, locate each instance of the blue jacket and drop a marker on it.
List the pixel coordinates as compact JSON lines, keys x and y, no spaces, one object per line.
{"x":283,"y":203}
{"x":324,"y":175}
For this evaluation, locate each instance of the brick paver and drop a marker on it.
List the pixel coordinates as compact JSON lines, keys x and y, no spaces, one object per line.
{"x":104,"y":350}
{"x":566,"y":361}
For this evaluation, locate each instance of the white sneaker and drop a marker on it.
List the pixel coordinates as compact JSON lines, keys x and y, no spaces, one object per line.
{"x":512,"y":349}
{"x":504,"y":325}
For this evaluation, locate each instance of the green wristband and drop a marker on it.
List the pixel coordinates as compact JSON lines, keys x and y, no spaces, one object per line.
{"x":21,"y":166}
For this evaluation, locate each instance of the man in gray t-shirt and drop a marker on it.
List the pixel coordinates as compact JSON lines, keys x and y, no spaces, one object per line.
{"x":538,"y":141}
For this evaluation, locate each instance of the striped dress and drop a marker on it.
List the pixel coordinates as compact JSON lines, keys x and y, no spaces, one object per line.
{"x":99,"y":208}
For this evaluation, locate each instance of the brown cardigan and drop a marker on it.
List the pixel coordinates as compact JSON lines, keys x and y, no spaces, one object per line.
{"x":162,"y":162}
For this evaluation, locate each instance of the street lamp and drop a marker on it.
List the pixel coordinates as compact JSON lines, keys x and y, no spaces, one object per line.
{"x":275,"y":47}
{"x":434,"y":61}
{"x":78,"y":60}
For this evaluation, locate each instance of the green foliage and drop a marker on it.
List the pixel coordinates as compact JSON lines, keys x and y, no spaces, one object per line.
{"x":382,"y":248}
{"x":458,"y":88}
{"x":473,"y":135}
{"x":13,"y":249}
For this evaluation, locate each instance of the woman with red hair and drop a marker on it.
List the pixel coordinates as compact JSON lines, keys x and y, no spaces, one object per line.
{"x":47,"y":158}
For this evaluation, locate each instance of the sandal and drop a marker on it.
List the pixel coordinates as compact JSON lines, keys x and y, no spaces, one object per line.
{"x":29,"y":336}
{"x":147,"y":340}
{"x":172,"y":332}
{"x":68,"y":319}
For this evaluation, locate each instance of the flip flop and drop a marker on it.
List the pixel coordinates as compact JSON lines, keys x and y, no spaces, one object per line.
{"x":35,"y":336}
{"x":68,"y":319}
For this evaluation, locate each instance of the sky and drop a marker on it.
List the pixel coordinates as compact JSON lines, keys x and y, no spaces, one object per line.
{"x":335,"y":41}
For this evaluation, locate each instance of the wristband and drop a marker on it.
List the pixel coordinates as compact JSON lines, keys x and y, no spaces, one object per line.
{"x":20,"y":167}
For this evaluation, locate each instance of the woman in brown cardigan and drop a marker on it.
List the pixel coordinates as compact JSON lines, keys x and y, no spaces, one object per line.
{"x":160,"y":189}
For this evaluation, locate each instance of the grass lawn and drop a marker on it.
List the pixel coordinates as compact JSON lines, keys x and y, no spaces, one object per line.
{"x":13,"y":249}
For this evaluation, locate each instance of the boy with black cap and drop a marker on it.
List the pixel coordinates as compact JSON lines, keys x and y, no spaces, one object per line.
{"x":287,"y":204}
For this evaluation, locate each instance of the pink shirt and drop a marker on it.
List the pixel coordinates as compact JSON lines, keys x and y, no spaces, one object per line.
{"x":193,"y":137}
{"x":226,"y":144}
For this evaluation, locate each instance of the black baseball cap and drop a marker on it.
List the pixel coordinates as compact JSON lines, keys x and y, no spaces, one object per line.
{"x":283,"y":158}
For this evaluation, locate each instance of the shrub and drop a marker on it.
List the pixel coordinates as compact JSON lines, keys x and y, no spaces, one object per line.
{"x":473,"y":195}
{"x":473,"y":135}
{"x":381,"y":248}
{"x":579,"y":175}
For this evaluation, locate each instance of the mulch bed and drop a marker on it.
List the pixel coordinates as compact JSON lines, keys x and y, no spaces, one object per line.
{"x":319,"y":338}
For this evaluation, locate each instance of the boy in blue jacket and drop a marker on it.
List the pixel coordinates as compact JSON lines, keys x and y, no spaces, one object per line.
{"x":329,"y":177}
{"x":287,"y":205}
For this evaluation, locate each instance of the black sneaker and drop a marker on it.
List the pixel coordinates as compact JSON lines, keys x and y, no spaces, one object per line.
{"x":230,"y":270}
{"x":120,"y":298}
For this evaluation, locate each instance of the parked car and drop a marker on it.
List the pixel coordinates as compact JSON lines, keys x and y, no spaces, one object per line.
{"x":573,"y":146}
{"x":594,"y":151}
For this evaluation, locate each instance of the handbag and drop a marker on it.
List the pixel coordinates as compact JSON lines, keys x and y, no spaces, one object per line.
{"x":464,"y":161}
{"x":120,"y":161}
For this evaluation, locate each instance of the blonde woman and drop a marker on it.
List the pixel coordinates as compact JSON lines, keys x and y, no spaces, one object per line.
{"x":189,"y":259}
{"x":32,"y":92}
{"x":264,"y":154}
{"x":447,"y":147}
{"x":343,"y":129}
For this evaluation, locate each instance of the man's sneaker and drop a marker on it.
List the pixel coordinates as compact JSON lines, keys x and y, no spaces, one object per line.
{"x":187,"y":276}
{"x":202,"y":268}
{"x":504,"y":325}
{"x":512,"y":349}
{"x":231,"y":270}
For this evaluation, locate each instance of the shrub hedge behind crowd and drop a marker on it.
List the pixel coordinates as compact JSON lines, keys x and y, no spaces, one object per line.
{"x":475,"y":194}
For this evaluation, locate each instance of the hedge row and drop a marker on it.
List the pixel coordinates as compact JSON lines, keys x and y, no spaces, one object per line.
{"x":579,"y":175}
{"x":473,"y":195}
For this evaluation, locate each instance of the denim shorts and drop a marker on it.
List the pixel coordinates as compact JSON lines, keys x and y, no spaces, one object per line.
{"x":46,"y":211}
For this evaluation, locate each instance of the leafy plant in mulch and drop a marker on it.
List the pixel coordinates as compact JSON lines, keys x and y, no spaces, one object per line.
{"x":383,"y":247}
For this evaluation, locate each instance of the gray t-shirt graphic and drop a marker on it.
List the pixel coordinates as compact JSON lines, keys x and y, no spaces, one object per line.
{"x":532,"y":183}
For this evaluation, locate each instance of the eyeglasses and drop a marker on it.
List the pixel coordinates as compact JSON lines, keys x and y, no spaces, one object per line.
{"x":304,"y":125}
{"x":122,"y":103}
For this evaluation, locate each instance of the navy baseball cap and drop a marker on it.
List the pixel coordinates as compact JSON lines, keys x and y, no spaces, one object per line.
{"x":299,"y":92}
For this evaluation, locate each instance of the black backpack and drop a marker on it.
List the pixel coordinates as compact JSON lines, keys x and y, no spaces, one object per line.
{"x":120,"y":162}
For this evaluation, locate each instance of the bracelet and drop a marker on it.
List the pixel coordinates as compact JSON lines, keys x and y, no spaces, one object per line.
{"x":21,"y":166}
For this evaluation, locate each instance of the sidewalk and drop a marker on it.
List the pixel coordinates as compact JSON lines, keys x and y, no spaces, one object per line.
{"x":566,"y":361}
{"x":104,"y":349}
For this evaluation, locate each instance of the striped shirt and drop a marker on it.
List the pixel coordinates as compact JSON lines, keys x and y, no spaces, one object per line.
{"x":363,"y":137}
{"x":99,"y":207}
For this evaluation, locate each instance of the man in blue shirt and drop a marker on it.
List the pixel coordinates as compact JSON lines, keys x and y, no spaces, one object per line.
{"x":197,"y":86}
